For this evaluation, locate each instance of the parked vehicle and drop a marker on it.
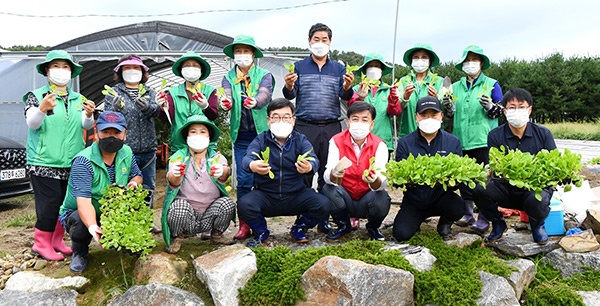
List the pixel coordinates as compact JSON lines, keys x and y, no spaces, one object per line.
{"x":14,"y":180}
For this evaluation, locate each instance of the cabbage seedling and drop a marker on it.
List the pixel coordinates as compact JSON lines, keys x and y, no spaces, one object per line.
{"x":264,"y":156}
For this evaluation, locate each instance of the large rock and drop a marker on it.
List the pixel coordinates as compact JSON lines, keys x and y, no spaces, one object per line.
{"x":157,"y":294}
{"x":570,"y":263}
{"x":521,"y":279}
{"x":463,"y":240}
{"x":590,"y":298}
{"x":225,"y":271}
{"x":32,"y":281}
{"x":496,"y":291}
{"x":581,"y":242}
{"x":592,"y":220}
{"x":336,"y":281}
{"x":162,"y":267}
{"x":38,"y":298}
{"x":418,"y":256}
{"x":522,"y":245}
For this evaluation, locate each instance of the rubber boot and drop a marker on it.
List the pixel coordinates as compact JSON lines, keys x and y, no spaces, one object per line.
{"x":482,"y":224}
{"x":538,"y":231}
{"x":444,"y":228}
{"x":58,"y":242}
{"x":342,"y":220}
{"x":79,"y":260}
{"x":259,"y":227}
{"x":498,"y":229}
{"x":243,"y":231}
{"x":467,"y":219}
{"x":323,"y":226}
{"x":42,"y":246}
{"x":355,"y":222}
{"x":298,"y":232}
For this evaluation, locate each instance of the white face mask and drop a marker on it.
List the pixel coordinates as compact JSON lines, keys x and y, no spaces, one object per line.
{"x":191,"y":74}
{"x":281,"y":129}
{"x":373,"y":73}
{"x":198,"y":143}
{"x":517,"y":118}
{"x":429,"y":125}
{"x":319,"y":49}
{"x":471,"y":68}
{"x":132,"y":76}
{"x":58,"y":76}
{"x":420,"y":65}
{"x":243,"y":60}
{"x":359,"y":130}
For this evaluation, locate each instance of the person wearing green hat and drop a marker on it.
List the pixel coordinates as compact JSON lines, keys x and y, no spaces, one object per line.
{"x":248,"y":90}
{"x":52,"y":141}
{"x":475,"y":109}
{"x":192,"y":97}
{"x":196,"y":200}
{"x":418,"y":83}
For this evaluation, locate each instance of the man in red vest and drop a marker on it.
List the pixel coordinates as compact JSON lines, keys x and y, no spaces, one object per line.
{"x":354,"y":182}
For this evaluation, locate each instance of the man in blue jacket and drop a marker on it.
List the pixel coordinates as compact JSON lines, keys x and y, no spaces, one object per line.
{"x":274,"y":157}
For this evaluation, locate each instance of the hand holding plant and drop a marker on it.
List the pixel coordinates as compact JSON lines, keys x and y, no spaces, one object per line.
{"x":264,"y":158}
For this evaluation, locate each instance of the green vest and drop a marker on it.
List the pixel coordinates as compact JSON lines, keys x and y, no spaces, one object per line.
{"x":471,"y":122}
{"x":383,"y":126}
{"x":60,"y":136}
{"x":258,"y":115}
{"x":184,"y":108}
{"x":408,"y":123}
{"x":170,"y":193}
{"x":100,"y":181}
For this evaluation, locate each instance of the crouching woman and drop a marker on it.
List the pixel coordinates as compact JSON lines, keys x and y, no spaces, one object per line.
{"x":196,"y":200}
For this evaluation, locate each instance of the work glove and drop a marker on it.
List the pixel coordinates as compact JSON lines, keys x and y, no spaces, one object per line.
{"x":394,"y":97}
{"x":216,"y":170}
{"x":141,"y":103}
{"x":177,"y":169}
{"x":225,"y":103}
{"x":118,"y":103}
{"x":95,"y":231}
{"x":448,"y":105}
{"x":200,"y":100}
{"x":249,"y":103}
{"x":133,"y":185}
{"x":340,"y":168}
{"x":370,"y":177}
{"x":486,"y":102}
{"x":363,"y":91}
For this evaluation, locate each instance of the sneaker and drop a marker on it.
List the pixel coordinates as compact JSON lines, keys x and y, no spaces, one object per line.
{"x":78,"y":262}
{"x":259,"y":239}
{"x":375,"y":234}
{"x":338,"y":233}
{"x":298,"y":235}
{"x":324,"y":227}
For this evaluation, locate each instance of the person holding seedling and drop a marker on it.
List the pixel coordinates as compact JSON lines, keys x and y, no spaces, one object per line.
{"x":517,"y":134}
{"x":247,"y":90}
{"x":136,"y":101}
{"x":196,"y":200}
{"x":475,"y":109}
{"x":56,"y":117}
{"x":422,"y":201}
{"x":107,"y":161}
{"x":192,"y":97}
{"x":418,"y":83}
{"x":355,"y":185}
{"x":280,"y":158}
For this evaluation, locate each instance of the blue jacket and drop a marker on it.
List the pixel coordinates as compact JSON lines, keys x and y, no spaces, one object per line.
{"x":282,"y":160}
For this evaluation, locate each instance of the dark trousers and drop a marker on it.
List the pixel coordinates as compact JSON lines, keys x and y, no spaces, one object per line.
{"x":49,"y":195}
{"x":504,"y":195}
{"x":245,"y":180}
{"x":80,"y":236}
{"x":256,"y":205}
{"x":318,"y":135}
{"x":481,"y":155}
{"x":374,"y":205}
{"x":421,"y":203}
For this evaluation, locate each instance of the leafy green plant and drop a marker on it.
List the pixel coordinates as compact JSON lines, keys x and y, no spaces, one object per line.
{"x":546,"y":169}
{"x":109,"y":91}
{"x":264,"y":156}
{"x":289,"y":66}
{"x":305,"y":156}
{"x":126,"y":220}
{"x":220,"y":92}
{"x":372,"y":166}
{"x":141,"y":90}
{"x":350,"y":69}
{"x":448,"y":171}
{"x":594,"y":161}
{"x":21,"y":220}
{"x":369,"y":82}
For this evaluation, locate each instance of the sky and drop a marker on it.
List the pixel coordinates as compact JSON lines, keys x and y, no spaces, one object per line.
{"x":519,"y":29}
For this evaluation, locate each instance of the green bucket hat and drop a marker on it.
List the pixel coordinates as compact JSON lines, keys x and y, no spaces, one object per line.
{"x":476,"y":50}
{"x":421,"y":46}
{"x":374,"y":56}
{"x":195,"y":56}
{"x":59,"y":55}
{"x":214,"y":133}
{"x":242,"y":40}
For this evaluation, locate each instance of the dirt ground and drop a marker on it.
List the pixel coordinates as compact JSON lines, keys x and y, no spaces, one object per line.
{"x":17,"y":219}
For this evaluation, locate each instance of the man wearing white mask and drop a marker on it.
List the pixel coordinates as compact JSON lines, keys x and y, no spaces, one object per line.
{"x":517,"y":134}
{"x":474,"y":106}
{"x":280,"y":158}
{"x":355,"y":186}
{"x":422,"y":202}
{"x":248,"y":90}
{"x":318,"y":83}
{"x":192,"y":97}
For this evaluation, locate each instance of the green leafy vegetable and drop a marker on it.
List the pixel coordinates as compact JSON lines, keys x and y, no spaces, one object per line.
{"x":305,"y":156}
{"x":141,"y":90}
{"x":372,"y":166}
{"x":109,"y":91}
{"x":220,"y":92}
{"x":163,"y":85}
{"x":264,"y":156}
{"x":350,"y":69}
{"x":369,"y":82}
{"x":289,"y":66}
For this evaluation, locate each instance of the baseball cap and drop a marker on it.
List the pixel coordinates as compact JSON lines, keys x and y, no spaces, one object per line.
{"x":428,"y":102}
{"x":110,"y":119}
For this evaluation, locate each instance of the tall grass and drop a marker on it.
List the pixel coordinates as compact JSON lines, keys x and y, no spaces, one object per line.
{"x":575,"y":130}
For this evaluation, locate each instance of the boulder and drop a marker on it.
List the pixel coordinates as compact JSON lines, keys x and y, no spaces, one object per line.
{"x":581,"y":242}
{"x":522,"y":244}
{"x":496,"y":291}
{"x":39,"y":298}
{"x":32,"y":281}
{"x":521,"y":279}
{"x":592,"y":220}
{"x":157,"y":294}
{"x":570,"y":263}
{"x":419,"y":257}
{"x":162,"y":267}
{"x":590,"y":298}
{"x":463,"y":240}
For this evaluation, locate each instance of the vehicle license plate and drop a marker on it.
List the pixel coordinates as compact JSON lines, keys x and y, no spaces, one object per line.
{"x":11,"y":174}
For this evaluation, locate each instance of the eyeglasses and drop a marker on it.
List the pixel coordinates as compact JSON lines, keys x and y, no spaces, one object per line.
{"x":522,"y":108}
{"x":277,"y":118}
